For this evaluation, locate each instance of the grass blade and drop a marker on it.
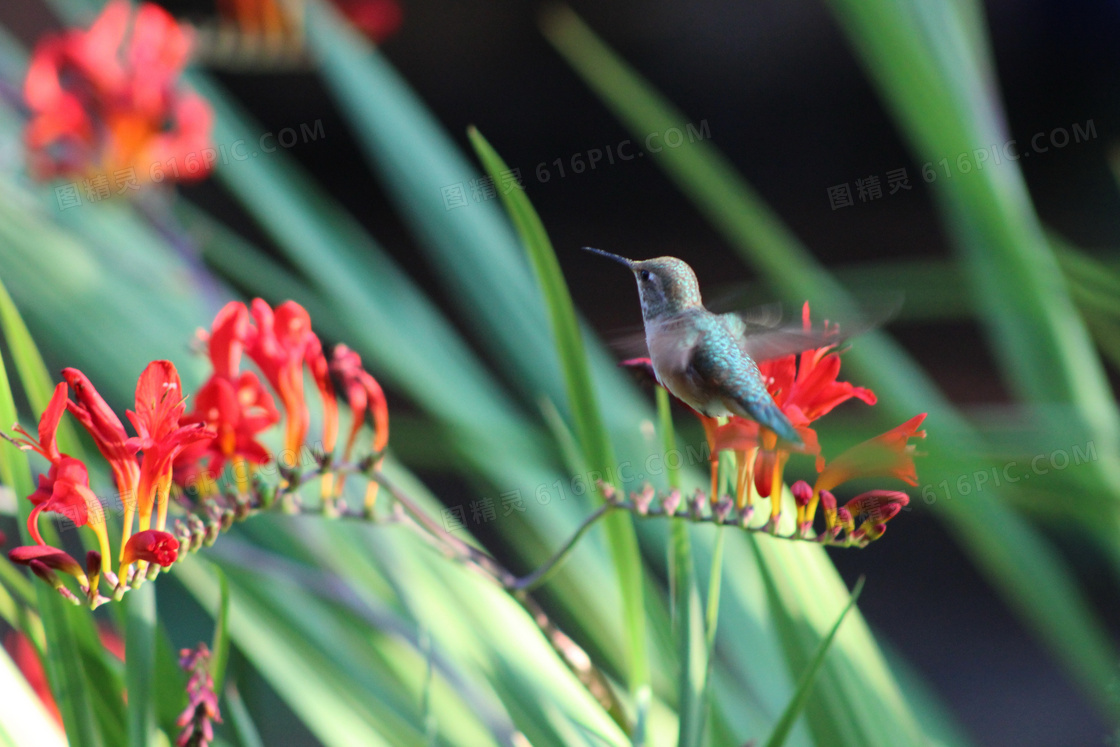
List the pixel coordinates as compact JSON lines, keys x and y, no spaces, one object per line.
{"x":140,"y":651}
{"x":219,"y":648}
{"x":693,"y":650}
{"x":23,"y":719}
{"x":590,"y":432}
{"x":239,"y":718}
{"x":33,"y":374}
{"x":809,"y":678}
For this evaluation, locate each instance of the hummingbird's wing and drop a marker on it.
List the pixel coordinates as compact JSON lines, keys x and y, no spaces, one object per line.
{"x":672,"y":343}
{"x":764,"y":336}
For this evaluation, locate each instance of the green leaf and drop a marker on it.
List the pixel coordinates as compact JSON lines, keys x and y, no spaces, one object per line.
{"x":691,"y":650}
{"x":593,"y":437}
{"x":809,"y":678}
{"x":694,"y":644}
{"x":219,"y":657}
{"x":933,"y":68}
{"x":239,"y":718}
{"x":140,"y":653}
{"x":32,"y":371}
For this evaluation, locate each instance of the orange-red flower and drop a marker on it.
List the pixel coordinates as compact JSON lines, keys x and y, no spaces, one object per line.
{"x":377,"y":19}
{"x":280,"y":343}
{"x":108,"y":434}
{"x":362,"y":392}
{"x":51,"y":557}
{"x":65,"y":488}
{"x":159,"y":407}
{"x":232,"y":403}
{"x":107,"y":100}
{"x":875,"y":508}
{"x":143,"y":484}
{"x":152,"y":546}
{"x":887,"y":455}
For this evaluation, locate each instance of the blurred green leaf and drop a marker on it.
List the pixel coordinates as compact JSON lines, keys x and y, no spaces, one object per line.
{"x":239,"y":718}
{"x":593,"y":437}
{"x":809,"y":678}
{"x":32,"y":371}
{"x":220,"y":647}
{"x":934,"y":71}
{"x":140,"y":645}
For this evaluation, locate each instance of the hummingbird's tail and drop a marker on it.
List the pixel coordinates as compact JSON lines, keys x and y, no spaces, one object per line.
{"x":774,"y":419}
{"x":768,"y":413}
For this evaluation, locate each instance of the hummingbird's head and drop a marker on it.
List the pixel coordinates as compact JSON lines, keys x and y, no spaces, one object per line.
{"x":666,"y":285}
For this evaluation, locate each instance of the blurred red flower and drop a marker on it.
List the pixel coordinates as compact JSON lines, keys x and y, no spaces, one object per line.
{"x":106,"y":101}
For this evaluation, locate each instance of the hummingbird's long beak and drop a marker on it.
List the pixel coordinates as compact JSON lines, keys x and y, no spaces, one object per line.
{"x":608,"y":255}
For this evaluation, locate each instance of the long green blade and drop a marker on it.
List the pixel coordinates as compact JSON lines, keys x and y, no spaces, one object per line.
{"x":140,"y":653}
{"x":809,"y":678}
{"x":592,"y":435}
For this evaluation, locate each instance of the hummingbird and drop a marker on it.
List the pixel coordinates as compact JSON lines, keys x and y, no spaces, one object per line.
{"x":708,"y":360}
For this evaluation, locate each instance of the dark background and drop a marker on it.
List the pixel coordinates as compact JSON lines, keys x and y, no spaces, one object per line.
{"x":785,"y":99}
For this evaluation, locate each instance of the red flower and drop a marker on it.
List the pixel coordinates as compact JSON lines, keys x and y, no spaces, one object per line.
{"x":235,"y":405}
{"x":805,"y":388}
{"x":152,"y":546}
{"x":159,"y":406}
{"x":876,"y":508}
{"x":65,"y":488}
{"x":48,"y":426}
{"x":109,"y":435}
{"x":362,"y":391}
{"x":106,"y":100}
{"x":236,"y":411}
{"x":279,"y":344}
{"x":377,"y":19}
{"x":107,"y":431}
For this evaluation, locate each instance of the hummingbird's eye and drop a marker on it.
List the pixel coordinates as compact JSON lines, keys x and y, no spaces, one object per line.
{"x":644,"y":275}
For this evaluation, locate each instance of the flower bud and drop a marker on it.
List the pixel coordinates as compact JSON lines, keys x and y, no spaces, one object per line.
{"x":49,"y":558}
{"x":151,"y":545}
{"x":671,"y":502}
